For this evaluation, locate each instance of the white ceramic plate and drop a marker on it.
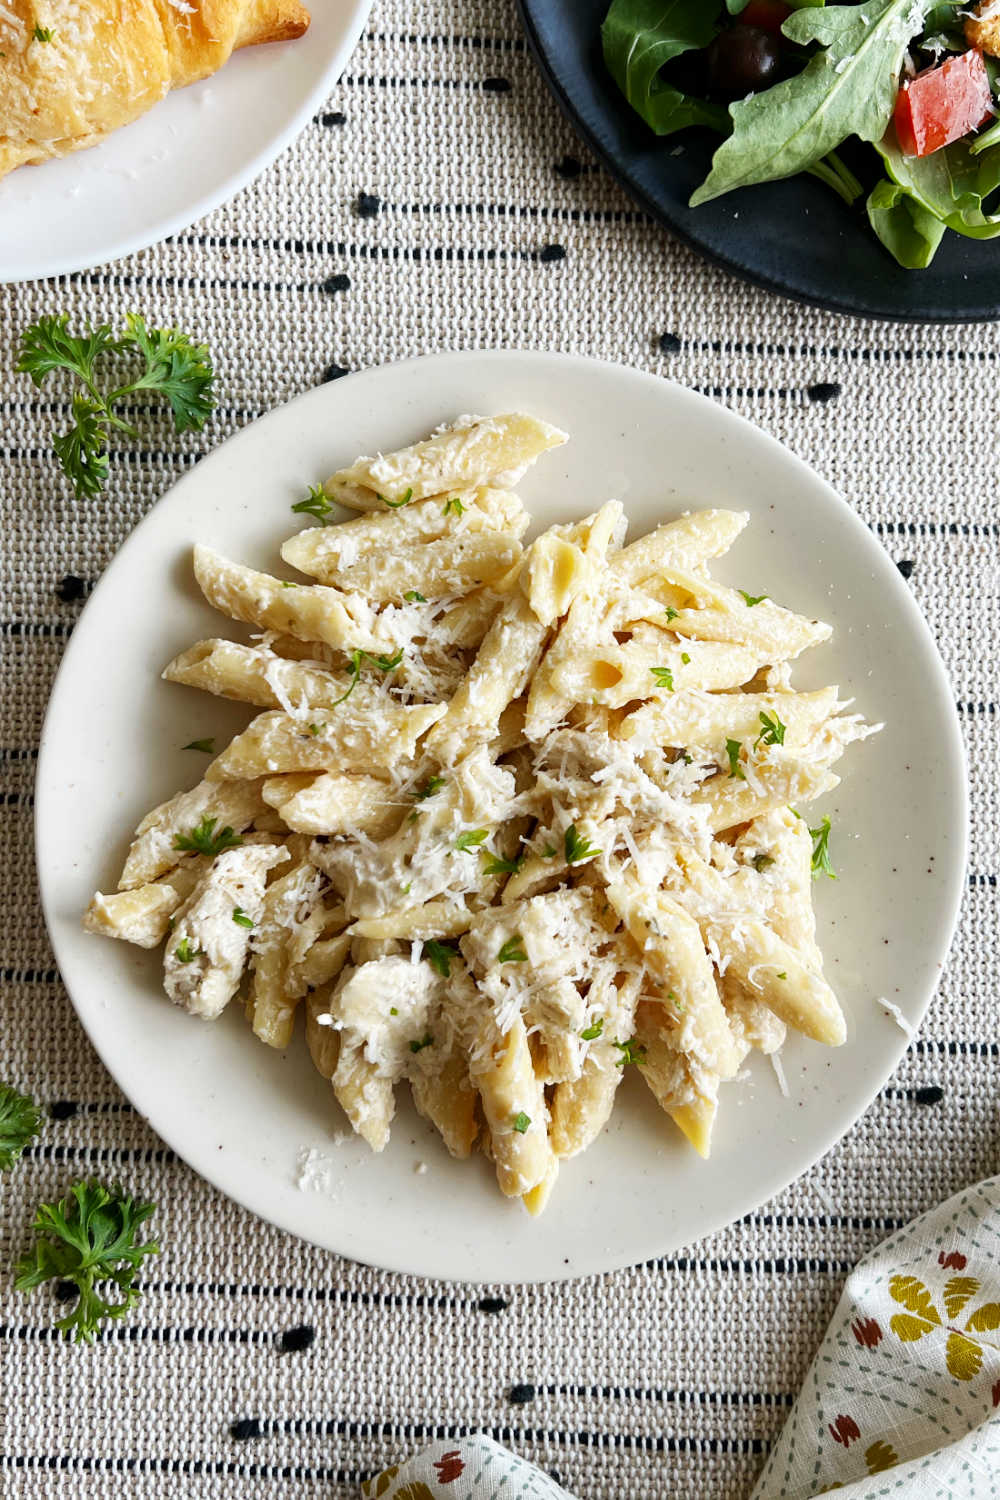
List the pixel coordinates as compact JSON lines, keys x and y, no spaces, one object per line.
{"x":241,"y":1114}
{"x":195,"y":149}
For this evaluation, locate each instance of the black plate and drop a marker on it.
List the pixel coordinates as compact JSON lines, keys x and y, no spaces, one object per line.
{"x":795,"y":237}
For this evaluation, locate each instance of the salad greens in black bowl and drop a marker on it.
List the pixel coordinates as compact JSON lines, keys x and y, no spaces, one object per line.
{"x":843,"y":154}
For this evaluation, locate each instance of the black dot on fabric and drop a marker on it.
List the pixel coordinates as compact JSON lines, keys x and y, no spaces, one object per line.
{"x":496,"y":85}
{"x":669,"y":343}
{"x":823,"y":390}
{"x":905,"y":566}
{"x":569,"y":168}
{"x":493,"y":1304}
{"x":368,"y":205}
{"x":334,"y":372}
{"x":932,"y":1094}
{"x":71,"y":588}
{"x":294,"y":1340}
{"x":333,"y":117}
{"x":521,"y":1394}
{"x":63,"y":1109}
{"x":246,"y":1427}
{"x":551,"y":253}
{"x":66,"y":1291}
{"x":336,"y":283}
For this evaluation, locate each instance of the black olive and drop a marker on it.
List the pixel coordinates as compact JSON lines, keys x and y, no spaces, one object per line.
{"x":743,"y":59}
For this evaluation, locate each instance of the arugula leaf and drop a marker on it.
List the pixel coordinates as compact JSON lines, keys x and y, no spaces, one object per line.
{"x":512,"y":951}
{"x":174,"y":367}
{"x":576,"y":847}
{"x":640,"y":37}
{"x":927,"y":194}
{"x":847,"y":88}
{"x":89,"y":1238}
{"x":317,"y":503}
{"x":204,"y":840}
{"x":439,"y":956}
{"x":20,"y":1121}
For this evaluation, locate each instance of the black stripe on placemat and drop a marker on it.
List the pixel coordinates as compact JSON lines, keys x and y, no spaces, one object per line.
{"x":449,"y":39}
{"x":88,"y":1464}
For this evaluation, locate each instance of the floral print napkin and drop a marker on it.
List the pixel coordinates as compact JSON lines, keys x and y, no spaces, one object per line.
{"x":903,"y":1397}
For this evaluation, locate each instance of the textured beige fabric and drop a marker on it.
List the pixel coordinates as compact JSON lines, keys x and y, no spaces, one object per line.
{"x":672,"y":1377}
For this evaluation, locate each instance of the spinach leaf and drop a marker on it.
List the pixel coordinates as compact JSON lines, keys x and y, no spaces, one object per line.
{"x":848,"y":88}
{"x":639,"y":37}
{"x":909,"y":232}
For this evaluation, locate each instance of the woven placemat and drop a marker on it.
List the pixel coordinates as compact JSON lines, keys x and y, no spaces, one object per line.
{"x":440,"y":201}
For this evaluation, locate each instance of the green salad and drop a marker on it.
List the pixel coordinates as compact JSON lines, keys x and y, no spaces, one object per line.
{"x":788,"y":84}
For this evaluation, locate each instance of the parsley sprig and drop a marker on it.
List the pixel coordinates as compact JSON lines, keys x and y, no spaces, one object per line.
{"x":592,"y":1032}
{"x":512,"y":952}
{"x":631,"y":1052}
{"x":20,"y":1120}
{"x":471,"y":838}
{"x":772,"y":731}
{"x":495,"y":864}
{"x":439,"y":956}
{"x":577,"y":847}
{"x":358,"y":658}
{"x":90,"y":1238}
{"x":664,"y":677}
{"x":173,"y":367}
{"x":751,"y":600}
{"x":821,"y":850}
{"x":317,"y":503}
{"x":733,"y":751}
{"x":204,"y":840}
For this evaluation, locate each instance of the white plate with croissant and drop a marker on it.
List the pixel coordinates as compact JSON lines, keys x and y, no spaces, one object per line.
{"x":117,"y":130}
{"x":497,"y":781}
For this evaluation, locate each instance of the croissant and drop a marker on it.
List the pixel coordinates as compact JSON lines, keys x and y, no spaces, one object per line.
{"x":72,"y":71}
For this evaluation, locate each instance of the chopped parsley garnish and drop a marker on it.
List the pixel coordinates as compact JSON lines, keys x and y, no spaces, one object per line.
{"x":427,"y":1041}
{"x":42,"y":34}
{"x":772,"y":731}
{"x":286,"y":585}
{"x":751,"y":599}
{"x":454,"y":505}
{"x":414,"y":596}
{"x":762,"y":862}
{"x":591,"y":1033}
{"x":631,"y":1052}
{"x":685,"y":659}
{"x":733,"y":751}
{"x":671,"y":613}
{"x":434,"y":784}
{"x":398,"y":504}
{"x":89,"y":1239}
{"x":184,"y":953}
{"x":512,"y":951}
{"x":393,"y":1010}
{"x":204,"y":839}
{"x":383,"y":663}
{"x":439,"y":956}
{"x":495,"y":864}
{"x":314,"y":729}
{"x":20,"y":1120}
{"x":577,"y":847}
{"x":317,"y":503}
{"x":521,"y":1122}
{"x":549,"y":852}
{"x":407,"y":888}
{"x":782,"y":975}
{"x":206,"y":746}
{"x":471,"y":838}
{"x":676,"y":1002}
{"x":821,"y":850}
{"x":664,"y":677}
{"x":241,"y":919}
